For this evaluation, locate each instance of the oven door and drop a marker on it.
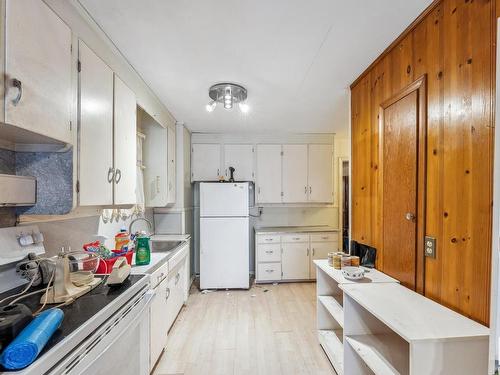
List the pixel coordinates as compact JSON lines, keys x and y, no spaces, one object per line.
{"x":120,"y":346}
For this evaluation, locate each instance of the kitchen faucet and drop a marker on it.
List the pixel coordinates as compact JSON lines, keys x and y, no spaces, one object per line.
{"x":150,"y":226}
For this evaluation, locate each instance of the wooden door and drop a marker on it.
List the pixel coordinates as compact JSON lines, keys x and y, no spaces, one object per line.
{"x":268,"y":174}
{"x":95,"y":130}
{"x":205,"y":162}
{"x":320,"y":173}
{"x":125,"y":143}
{"x":295,"y":261}
{"x":295,"y":173}
{"x":403,"y":163}
{"x":171,"y":180}
{"x":240,"y":157}
{"x":38,"y":69}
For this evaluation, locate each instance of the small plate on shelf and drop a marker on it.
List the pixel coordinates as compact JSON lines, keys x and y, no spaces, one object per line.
{"x":353,"y":273}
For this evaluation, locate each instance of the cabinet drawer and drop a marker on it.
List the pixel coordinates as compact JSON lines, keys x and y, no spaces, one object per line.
{"x":295,"y":238}
{"x":325,"y":237}
{"x":159,"y":275}
{"x":271,"y":238}
{"x":269,"y":253}
{"x":269,"y":271}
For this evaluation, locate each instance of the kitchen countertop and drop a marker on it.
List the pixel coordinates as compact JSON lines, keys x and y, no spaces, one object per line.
{"x":310,"y":229}
{"x":158,"y":259}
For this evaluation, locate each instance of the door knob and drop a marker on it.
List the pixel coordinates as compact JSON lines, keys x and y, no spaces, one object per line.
{"x":410,"y":216}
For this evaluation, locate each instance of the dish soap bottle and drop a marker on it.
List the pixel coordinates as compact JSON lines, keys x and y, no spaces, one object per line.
{"x":142,"y":250}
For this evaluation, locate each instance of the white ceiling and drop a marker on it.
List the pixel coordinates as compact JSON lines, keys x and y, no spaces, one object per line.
{"x":295,"y":57}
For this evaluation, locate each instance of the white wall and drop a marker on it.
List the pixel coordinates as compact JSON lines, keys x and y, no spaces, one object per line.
{"x":78,"y":231}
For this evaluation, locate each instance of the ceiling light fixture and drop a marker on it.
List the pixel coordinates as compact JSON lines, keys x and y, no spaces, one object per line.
{"x":227,"y":94}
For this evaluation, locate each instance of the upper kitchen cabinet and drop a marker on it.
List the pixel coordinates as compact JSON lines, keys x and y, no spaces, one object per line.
{"x":95,"y":129}
{"x":240,"y":157}
{"x":158,"y":151}
{"x":107,"y":135}
{"x":171,"y":166}
{"x":205,"y":162}
{"x":295,"y":188}
{"x":268,"y":174}
{"x":320,"y":176}
{"x":38,"y":70}
{"x":124,"y":142}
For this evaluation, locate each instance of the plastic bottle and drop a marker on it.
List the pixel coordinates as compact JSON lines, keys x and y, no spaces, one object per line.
{"x":142,"y":250}
{"x":121,"y":240}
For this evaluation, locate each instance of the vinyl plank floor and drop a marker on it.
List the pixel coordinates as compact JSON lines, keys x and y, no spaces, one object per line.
{"x":267,"y":330}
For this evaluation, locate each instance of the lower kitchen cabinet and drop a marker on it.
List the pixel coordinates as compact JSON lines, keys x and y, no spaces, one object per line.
{"x":171,"y":284}
{"x":289,"y":256}
{"x":295,"y":261}
{"x":175,"y":294}
{"x":159,"y":325}
{"x":320,"y":250}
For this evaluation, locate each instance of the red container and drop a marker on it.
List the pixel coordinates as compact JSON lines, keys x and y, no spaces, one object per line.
{"x":106,"y":265}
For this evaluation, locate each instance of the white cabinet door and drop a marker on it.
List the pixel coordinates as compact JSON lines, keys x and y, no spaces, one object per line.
{"x":294,"y":173}
{"x":268,"y":174}
{"x":95,"y":129}
{"x":125,"y":143}
{"x":205,"y":162}
{"x":320,"y":173}
{"x":155,"y":158}
{"x":171,"y":166}
{"x":159,"y":325}
{"x":240,"y":157}
{"x":295,"y":261}
{"x":320,"y":250}
{"x":38,"y":69}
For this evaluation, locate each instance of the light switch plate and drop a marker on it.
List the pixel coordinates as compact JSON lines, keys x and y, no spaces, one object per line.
{"x":430,"y":247}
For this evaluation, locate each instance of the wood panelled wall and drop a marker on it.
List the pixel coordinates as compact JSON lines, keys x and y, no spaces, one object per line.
{"x":453,"y":44}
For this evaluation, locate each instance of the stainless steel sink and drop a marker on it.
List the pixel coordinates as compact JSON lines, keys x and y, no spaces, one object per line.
{"x":164,"y":246}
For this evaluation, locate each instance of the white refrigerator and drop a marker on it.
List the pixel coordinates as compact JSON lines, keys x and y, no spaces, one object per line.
{"x":224,"y":235}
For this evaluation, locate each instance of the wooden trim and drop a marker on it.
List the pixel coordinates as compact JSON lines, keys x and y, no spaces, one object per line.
{"x":398,"y":40}
{"x":420,"y":85}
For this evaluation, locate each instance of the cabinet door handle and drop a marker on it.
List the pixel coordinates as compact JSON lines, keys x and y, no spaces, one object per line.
{"x":296,"y":238}
{"x":168,"y":293}
{"x":269,"y":271}
{"x":259,"y":189}
{"x":118,"y":176}
{"x":307,"y":252}
{"x":111,"y":174}
{"x":305,"y":189}
{"x":313,"y":251}
{"x":269,"y":251}
{"x":310,"y":190}
{"x":158,"y":279}
{"x":177,"y":277}
{"x":19,"y":85}
{"x":218,"y":172}
{"x":324,"y":238}
{"x":157,"y":184}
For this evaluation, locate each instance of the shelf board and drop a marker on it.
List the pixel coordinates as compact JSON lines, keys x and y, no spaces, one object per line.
{"x":384,"y":354}
{"x":334,"y":306}
{"x":331,"y":341}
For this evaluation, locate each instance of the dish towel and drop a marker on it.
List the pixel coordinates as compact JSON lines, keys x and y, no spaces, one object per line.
{"x":26,"y":347}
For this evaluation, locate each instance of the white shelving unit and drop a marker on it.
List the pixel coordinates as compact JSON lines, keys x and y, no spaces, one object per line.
{"x":330,"y":310}
{"x":390,"y":329}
